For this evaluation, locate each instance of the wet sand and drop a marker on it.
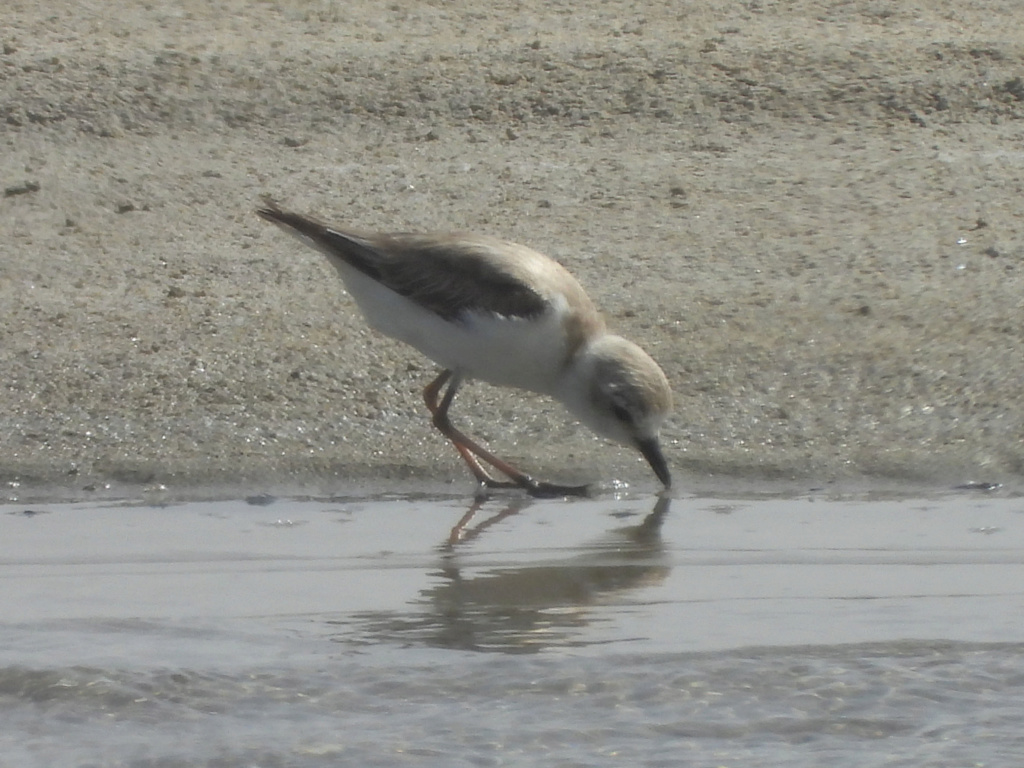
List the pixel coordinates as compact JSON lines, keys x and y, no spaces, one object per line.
{"x":809,"y":213}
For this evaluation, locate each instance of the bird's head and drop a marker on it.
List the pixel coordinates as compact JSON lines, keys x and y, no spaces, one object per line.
{"x":622,"y":394}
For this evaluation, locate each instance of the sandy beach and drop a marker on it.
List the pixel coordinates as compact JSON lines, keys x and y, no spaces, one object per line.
{"x":809,"y":213}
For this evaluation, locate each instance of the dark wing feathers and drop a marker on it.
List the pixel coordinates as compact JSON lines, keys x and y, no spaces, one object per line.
{"x":354,"y":250}
{"x":444,"y":277}
{"x":449,"y":275}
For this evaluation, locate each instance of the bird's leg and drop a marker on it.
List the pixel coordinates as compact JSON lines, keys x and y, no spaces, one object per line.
{"x":472,"y":451}
{"x":460,"y":533}
{"x":482,"y":476}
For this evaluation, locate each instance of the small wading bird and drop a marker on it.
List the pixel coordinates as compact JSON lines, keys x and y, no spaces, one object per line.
{"x":487,"y":309}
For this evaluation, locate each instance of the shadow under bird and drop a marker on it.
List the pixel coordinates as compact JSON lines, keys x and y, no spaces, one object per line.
{"x":503,"y":313}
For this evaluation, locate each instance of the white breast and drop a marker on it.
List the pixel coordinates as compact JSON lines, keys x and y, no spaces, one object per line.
{"x":514,"y":352}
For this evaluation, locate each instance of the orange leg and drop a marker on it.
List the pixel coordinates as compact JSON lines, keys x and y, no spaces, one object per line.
{"x":482,"y":475}
{"x":473,"y":452}
{"x":460,"y":532}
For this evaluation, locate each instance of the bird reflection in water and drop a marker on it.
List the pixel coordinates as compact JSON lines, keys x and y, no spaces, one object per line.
{"x":525,"y":608}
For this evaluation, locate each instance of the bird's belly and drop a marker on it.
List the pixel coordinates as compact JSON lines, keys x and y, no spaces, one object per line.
{"x":523,"y":353}
{"x":512,"y":352}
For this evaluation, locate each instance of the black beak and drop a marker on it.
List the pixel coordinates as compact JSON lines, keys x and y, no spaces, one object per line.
{"x":651,"y":450}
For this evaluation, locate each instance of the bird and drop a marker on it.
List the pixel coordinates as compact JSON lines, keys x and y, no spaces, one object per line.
{"x":496,"y":311}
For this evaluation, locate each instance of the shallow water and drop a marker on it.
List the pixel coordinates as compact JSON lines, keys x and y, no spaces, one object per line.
{"x":348,"y":631}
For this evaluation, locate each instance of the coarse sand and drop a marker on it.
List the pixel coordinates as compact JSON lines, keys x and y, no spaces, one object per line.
{"x":810,"y":213}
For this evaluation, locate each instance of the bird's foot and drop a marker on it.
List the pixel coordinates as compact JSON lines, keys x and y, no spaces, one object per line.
{"x":536,"y":488}
{"x":542,"y":490}
{"x":486,"y":484}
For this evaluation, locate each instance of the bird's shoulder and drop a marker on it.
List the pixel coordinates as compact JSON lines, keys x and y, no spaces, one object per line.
{"x":456,"y":273}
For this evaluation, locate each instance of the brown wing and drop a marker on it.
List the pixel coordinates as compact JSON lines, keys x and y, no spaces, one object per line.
{"x":450,"y":275}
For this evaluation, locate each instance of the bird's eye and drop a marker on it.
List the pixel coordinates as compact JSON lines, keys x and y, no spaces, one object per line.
{"x":621,"y":412}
